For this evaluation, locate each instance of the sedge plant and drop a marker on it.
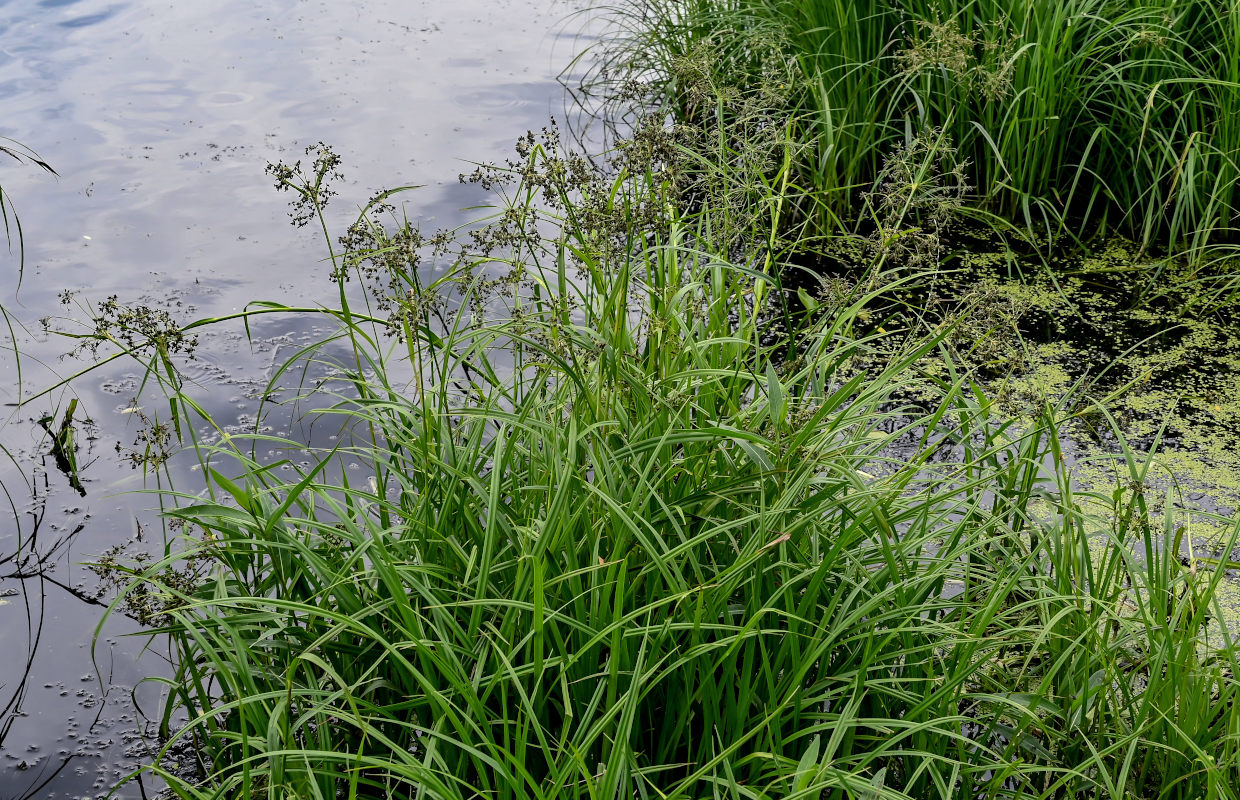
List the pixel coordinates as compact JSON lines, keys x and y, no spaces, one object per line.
{"x":590,"y":531}
{"x":1076,"y":118}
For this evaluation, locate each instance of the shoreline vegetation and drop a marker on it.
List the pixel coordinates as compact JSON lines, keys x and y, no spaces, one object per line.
{"x":701,"y":467}
{"x":1071,"y":118}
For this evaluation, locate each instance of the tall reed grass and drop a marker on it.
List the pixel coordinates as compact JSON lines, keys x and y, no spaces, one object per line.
{"x":1073,"y":116}
{"x":612,"y":539}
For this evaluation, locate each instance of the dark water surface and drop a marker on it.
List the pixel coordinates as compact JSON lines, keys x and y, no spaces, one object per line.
{"x":160,"y":118}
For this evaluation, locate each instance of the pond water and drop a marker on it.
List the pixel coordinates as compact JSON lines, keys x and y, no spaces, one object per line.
{"x":159,"y":117}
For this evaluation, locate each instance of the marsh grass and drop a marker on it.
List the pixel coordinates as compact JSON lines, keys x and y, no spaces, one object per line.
{"x":615,"y":539}
{"x":1073,"y":117}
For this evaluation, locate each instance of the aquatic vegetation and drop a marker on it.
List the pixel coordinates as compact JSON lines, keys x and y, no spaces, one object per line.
{"x":592,"y":530}
{"x":64,"y":445}
{"x":1073,"y":115}
{"x":728,"y":462}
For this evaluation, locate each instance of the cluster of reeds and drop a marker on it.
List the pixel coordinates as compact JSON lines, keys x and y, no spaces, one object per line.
{"x":609,"y":537}
{"x":1074,"y":116}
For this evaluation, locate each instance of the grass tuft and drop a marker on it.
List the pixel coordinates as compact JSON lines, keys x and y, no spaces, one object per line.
{"x":1074,"y":116}
{"x":611,"y":537}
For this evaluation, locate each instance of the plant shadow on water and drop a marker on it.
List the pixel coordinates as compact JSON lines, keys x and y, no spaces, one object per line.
{"x":74,"y":757}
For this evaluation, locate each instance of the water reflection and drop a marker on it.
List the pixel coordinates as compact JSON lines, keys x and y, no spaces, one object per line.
{"x":82,"y":754}
{"x":160,"y":118}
